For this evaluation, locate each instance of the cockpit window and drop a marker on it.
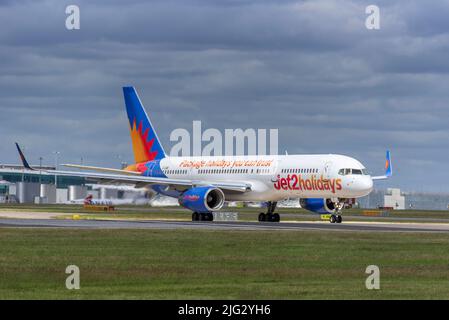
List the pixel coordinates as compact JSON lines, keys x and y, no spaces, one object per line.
{"x":356,"y":171}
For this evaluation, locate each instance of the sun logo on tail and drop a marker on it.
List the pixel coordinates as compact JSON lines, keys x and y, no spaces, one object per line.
{"x":141,"y":145}
{"x":146,"y":145}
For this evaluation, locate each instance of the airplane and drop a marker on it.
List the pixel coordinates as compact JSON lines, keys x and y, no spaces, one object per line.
{"x":322,"y":182}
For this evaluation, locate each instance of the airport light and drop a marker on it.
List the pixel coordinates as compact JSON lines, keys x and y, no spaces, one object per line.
{"x":40,"y":169}
{"x":23,"y":168}
{"x":123,"y":163}
{"x":56,"y":153}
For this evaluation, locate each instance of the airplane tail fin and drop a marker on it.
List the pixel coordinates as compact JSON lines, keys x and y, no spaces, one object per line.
{"x":146,"y":144}
{"x":22,"y":158}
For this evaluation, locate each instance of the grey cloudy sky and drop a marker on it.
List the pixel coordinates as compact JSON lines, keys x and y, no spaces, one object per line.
{"x":309,"y":68}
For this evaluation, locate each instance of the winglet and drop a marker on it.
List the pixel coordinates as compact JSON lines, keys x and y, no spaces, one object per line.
{"x":388,"y":167}
{"x":22,"y":157}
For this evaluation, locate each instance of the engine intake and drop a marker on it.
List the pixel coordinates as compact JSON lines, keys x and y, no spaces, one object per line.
{"x":202,"y":199}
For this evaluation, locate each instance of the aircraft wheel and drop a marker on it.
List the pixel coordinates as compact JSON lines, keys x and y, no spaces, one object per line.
{"x":195,"y":216}
{"x":339,"y":219}
{"x":333,"y":219}
{"x":276,"y":217}
{"x":262,"y":217}
{"x":210,"y":216}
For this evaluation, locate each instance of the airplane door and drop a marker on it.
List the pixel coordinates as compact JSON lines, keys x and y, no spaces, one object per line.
{"x":328,"y":170}
{"x":274,"y":171}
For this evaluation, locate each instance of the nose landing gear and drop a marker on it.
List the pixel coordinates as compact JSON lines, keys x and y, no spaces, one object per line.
{"x":270,"y":216}
{"x":336,"y":217}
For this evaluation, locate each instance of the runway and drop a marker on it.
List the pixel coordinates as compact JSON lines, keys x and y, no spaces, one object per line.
{"x":249,"y":226}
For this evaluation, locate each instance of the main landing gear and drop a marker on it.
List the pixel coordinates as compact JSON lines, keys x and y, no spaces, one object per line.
{"x":335,"y":218}
{"x":270,"y":216}
{"x":196,"y":216}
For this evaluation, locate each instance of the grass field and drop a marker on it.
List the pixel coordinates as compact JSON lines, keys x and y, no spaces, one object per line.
{"x":183,"y":264}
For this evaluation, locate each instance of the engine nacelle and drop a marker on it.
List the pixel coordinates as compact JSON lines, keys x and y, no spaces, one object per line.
{"x":202,"y":199}
{"x":318,"y":205}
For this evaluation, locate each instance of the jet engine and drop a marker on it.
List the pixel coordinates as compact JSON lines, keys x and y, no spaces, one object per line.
{"x":202,"y":199}
{"x":318,"y":205}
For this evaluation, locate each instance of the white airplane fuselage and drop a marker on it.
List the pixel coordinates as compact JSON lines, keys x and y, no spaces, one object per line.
{"x":273,"y":178}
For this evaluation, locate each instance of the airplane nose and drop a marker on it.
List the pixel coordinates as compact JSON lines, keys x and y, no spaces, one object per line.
{"x":368,"y":184}
{"x":362,"y":186}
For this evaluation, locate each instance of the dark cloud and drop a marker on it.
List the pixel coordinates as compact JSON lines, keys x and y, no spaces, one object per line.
{"x":309,"y":68}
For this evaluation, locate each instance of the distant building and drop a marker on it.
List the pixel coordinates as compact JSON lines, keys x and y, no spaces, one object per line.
{"x":412,"y":200}
{"x":16,"y":173}
{"x":27,"y":186}
{"x":394,"y":199}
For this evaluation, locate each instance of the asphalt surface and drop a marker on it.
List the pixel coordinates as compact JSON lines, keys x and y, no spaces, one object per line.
{"x":170,"y":225}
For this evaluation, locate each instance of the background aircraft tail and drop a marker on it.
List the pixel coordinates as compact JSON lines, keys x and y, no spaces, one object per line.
{"x":146,"y":144}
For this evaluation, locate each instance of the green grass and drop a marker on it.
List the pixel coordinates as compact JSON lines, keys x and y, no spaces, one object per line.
{"x":186,"y":264}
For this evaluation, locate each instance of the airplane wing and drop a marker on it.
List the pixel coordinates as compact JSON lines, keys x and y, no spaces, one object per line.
{"x":142,"y":181}
{"x":101,"y":169}
{"x":116,"y":176}
{"x":388,"y":169}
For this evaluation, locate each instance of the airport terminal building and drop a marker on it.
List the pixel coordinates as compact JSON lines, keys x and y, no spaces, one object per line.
{"x":19,"y":185}
{"x":16,"y":173}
